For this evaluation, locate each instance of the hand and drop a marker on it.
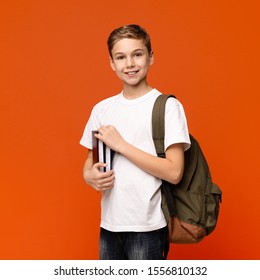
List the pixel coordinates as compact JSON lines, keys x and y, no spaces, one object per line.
{"x":100,"y":181}
{"x":111,"y":137}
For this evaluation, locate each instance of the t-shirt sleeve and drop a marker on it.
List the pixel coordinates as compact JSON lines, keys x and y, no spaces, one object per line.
{"x":176,"y":128}
{"x":92,"y":124}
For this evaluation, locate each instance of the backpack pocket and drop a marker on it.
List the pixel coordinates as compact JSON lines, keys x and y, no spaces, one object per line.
{"x":213,"y":200}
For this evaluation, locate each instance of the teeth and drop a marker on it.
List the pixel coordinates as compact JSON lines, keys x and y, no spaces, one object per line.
{"x":131,"y":73}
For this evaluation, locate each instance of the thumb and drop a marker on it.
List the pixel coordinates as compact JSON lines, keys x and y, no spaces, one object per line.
{"x":99,"y":164}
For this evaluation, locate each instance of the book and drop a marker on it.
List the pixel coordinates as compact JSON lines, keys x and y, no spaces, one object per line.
{"x":102,"y":153}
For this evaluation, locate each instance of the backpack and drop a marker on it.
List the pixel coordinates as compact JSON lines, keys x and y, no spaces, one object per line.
{"x":191,"y":207}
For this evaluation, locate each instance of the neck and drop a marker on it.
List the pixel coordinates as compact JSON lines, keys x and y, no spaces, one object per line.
{"x":132,"y":92}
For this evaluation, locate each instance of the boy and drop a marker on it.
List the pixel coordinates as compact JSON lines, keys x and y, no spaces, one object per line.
{"x":132,"y":222}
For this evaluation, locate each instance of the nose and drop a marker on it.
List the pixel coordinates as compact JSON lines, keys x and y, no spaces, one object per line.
{"x":130,"y":62}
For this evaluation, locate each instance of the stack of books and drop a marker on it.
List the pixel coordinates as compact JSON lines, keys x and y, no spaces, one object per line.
{"x":102,"y":153}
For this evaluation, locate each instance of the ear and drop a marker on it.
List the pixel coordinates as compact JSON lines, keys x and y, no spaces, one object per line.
{"x":112,"y":63}
{"x":151,"y":58}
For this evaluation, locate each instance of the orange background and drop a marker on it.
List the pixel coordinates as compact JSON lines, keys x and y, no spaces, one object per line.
{"x":55,"y":67}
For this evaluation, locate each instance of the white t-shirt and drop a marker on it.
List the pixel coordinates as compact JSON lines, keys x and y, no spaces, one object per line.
{"x":134,"y":203}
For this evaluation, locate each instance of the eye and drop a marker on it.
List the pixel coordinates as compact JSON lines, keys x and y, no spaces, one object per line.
{"x":138,"y":54}
{"x":120,"y":57}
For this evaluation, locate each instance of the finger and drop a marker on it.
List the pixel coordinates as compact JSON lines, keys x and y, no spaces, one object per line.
{"x":106,"y":181}
{"x":105,"y":129}
{"x":105,"y":175}
{"x":98,"y":135}
{"x":105,"y":187}
{"x":101,"y":130}
{"x":99,"y":165}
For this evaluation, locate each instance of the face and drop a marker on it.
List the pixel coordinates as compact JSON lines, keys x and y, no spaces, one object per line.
{"x":131,"y":61}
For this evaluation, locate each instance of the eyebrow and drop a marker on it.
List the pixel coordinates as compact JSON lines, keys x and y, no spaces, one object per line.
{"x":136,"y":50}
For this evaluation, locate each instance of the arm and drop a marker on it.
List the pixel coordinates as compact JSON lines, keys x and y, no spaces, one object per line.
{"x":98,"y":180}
{"x":169,"y":169}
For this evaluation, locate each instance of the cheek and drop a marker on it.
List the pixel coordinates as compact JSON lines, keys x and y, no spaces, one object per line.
{"x":117,"y":67}
{"x":118,"y":71}
{"x":146,"y":65}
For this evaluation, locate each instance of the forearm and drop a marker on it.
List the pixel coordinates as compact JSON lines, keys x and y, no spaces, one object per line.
{"x":87,"y":168}
{"x":169,"y":169}
{"x":88,"y":163}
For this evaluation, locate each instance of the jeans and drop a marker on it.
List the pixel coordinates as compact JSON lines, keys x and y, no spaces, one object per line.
{"x":132,"y":245}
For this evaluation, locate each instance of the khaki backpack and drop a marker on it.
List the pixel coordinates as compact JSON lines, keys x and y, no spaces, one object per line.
{"x":191,"y":207}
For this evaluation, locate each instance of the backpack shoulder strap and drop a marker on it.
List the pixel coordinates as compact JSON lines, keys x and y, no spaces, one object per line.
{"x":158,"y":124}
{"x":158,"y":127}
{"x":158,"y":130}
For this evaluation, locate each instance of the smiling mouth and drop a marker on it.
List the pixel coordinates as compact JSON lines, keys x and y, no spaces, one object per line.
{"x":131,"y":73}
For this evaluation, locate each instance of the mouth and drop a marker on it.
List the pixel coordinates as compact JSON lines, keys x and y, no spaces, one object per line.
{"x":131,"y":73}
